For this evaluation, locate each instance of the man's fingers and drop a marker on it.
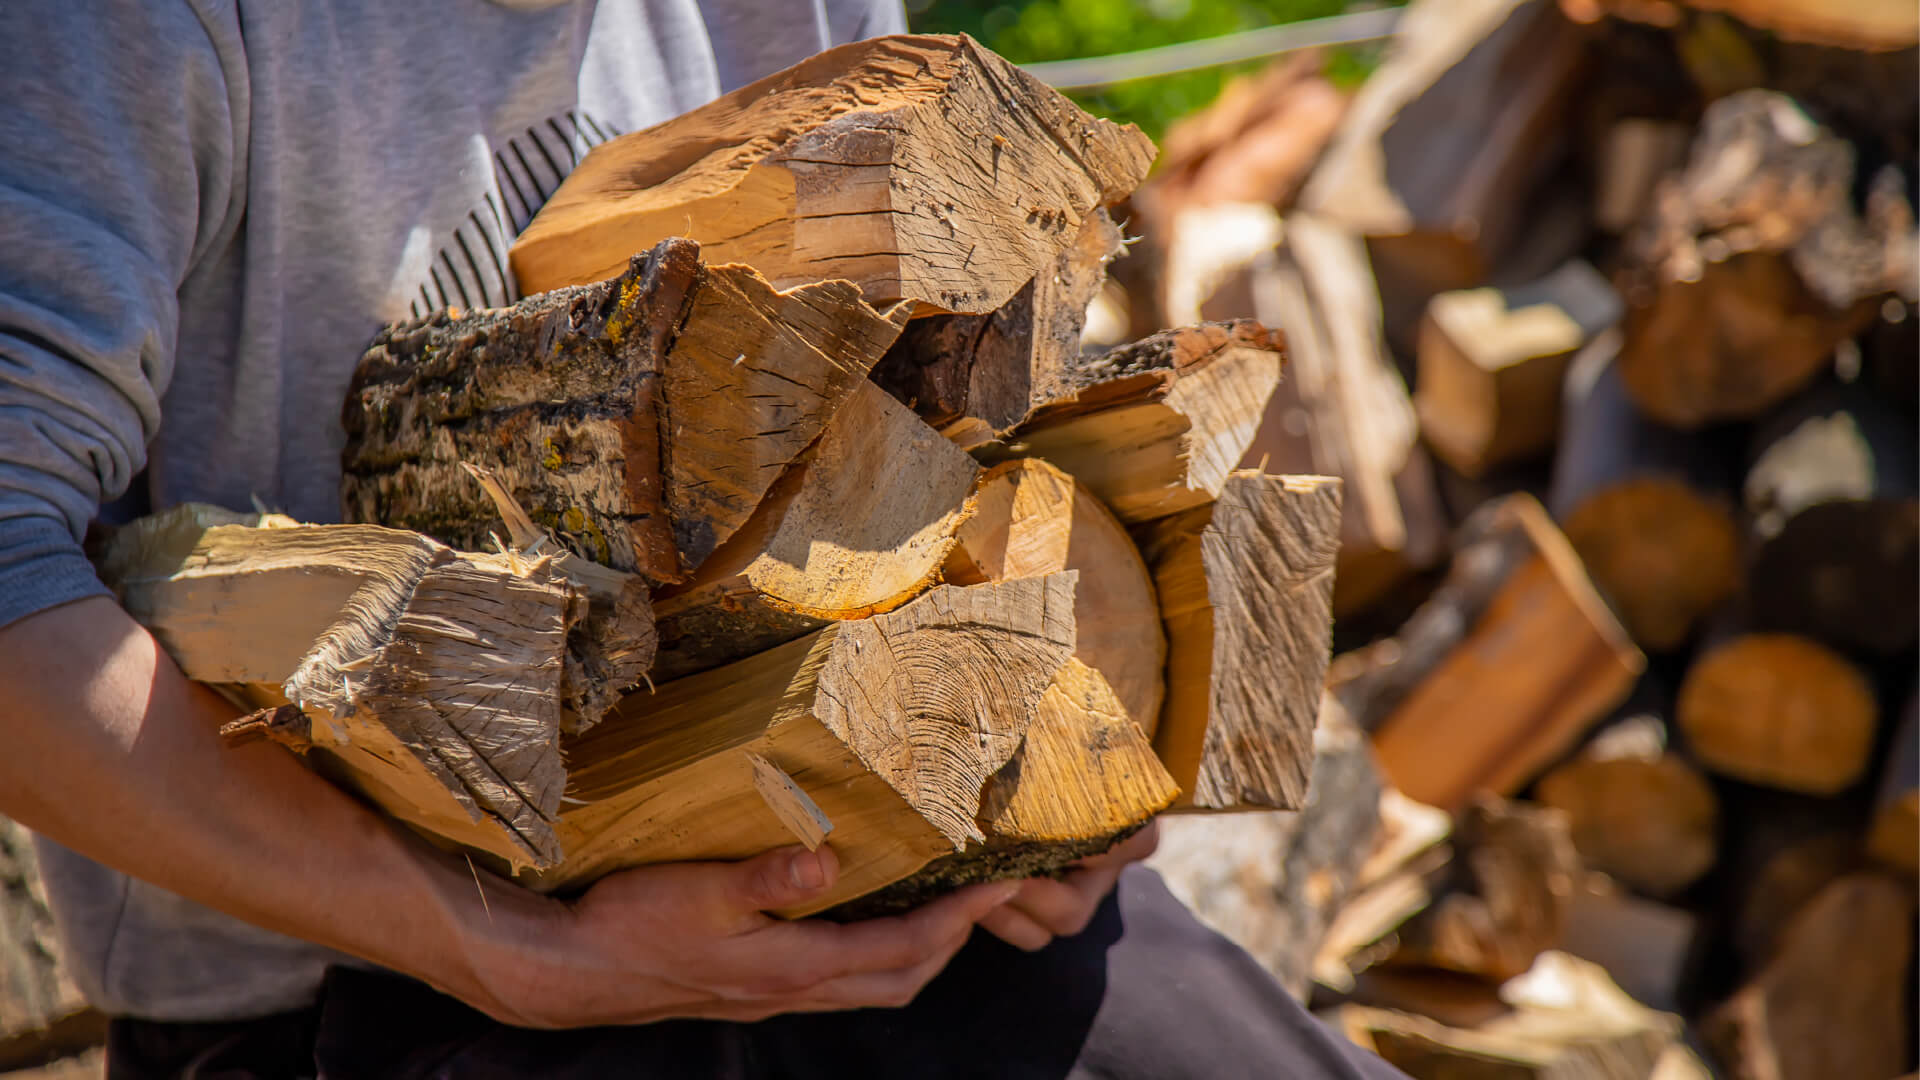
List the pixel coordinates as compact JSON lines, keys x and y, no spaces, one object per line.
{"x":890,"y":989}
{"x":1016,"y":928}
{"x":1134,"y":848}
{"x":903,"y":941}
{"x":1065,"y":907}
{"x":779,"y":878}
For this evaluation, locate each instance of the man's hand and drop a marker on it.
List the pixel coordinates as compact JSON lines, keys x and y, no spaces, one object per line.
{"x":1046,"y":909}
{"x":693,"y":940}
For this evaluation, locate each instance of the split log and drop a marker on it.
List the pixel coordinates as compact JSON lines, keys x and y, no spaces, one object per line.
{"x":1273,"y":882}
{"x":1492,"y":362}
{"x":1506,"y":897}
{"x":1245,"y":587}
{"x":1639,"y":811}
{"x":1444,"y":142}
{"x":1778,"y":859}
{"x":1780,"y":710}
{"x":1834,"y":999}
{"x":1754,"y":265}
{"x":43,"y":1017}
{"x":975,"y":376}
{"x":1831,"y":493}
{"x":1895,"y":836}
{"x":1343,"y":410}
{"x":1646,"y":507}
{"x":1030,"y":519}
{"x":919,"y":168}
{"x":1084,"y":779}
{"x":1155,"y":427}
{"x":1645,"y":946}
{"x":892,"y":725}
{"x":642,"y":419}
{"x":1499,"y":673}
{"x":860,"y":524}
{"x":436,"y":682}
{"x":1568,"y":1021}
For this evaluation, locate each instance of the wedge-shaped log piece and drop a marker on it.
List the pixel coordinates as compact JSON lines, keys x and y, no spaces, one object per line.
{"x":1246,"y":593}
{"x":861,"y":524}
{"x":974,"y":376}
{"x":1153,"y":428}
{"x":1084,"y":779}
{"x":641,"y":419}
{"x":920,"y":168}
{"x":1499,"y":673}
{"x":436,"y":682}
{"x":891,"y":725}
{"x":1030,"y":519}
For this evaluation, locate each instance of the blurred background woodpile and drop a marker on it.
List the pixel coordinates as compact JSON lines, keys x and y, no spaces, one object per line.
{"x":1604,"y":312}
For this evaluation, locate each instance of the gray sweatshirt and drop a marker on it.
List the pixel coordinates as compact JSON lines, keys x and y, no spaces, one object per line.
{"x":207,"y":207}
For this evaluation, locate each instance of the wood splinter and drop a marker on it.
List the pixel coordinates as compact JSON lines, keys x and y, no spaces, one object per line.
{"x":284,"y":724}
{"x":789,"y":802}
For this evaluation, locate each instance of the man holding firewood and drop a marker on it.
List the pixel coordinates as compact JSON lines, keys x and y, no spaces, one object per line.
{"x":206,"y":207}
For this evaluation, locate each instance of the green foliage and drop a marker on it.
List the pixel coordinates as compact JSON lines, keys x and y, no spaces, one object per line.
{"x":1066,"y":29}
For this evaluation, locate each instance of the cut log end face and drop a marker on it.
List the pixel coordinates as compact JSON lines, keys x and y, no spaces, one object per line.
{"x":1779,"y":710}
{"x":936,"y":697}
{"x":1664,"y":555}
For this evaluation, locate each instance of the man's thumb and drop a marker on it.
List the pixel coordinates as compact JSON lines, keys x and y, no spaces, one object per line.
{"x":784,"y":877}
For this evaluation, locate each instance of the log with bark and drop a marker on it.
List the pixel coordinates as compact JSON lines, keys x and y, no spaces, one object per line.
{"x":642,"y":420}
{"x":1648,"y":509}
{"x":1755,"y":264}
{"x":435,"y":682}
{"x":1831,"y":494}
{"x":1639,"y":811}
{"x":1155,"y":427}
{"x":1492,"y":362}
{"x":1273,"y":882}
{"x":890,"y":725}
{"x":1245,"y":587}
{"x":860,"y":523}
{"x":1029,"y":519}
{"x":1833,"y":1001}
{"x":1500,"y":673}
{"x":1780,"y":710}
{"x":919,"y":168}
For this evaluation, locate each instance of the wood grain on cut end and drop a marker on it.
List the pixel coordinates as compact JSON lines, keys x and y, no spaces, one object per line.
{"x":1779,"y":710}
{"x":860,"y":524}
{"x":890,"y":726}
{"x":1651,"y":821}
{"x":1665,"y":555}
{"x":1155,"y":427}
{"x":1245,"y":589}
{"x":1030,"y":519}
{"x":842,"y":166}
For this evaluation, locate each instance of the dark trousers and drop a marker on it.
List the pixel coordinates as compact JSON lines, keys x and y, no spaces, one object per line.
{"x":1146,"y":992}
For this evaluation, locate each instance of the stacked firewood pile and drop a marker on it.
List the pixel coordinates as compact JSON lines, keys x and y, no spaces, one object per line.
{"x":1604,"y":313}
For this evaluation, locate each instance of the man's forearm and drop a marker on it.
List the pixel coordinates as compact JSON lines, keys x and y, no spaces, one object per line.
{"x":112,"y":752}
